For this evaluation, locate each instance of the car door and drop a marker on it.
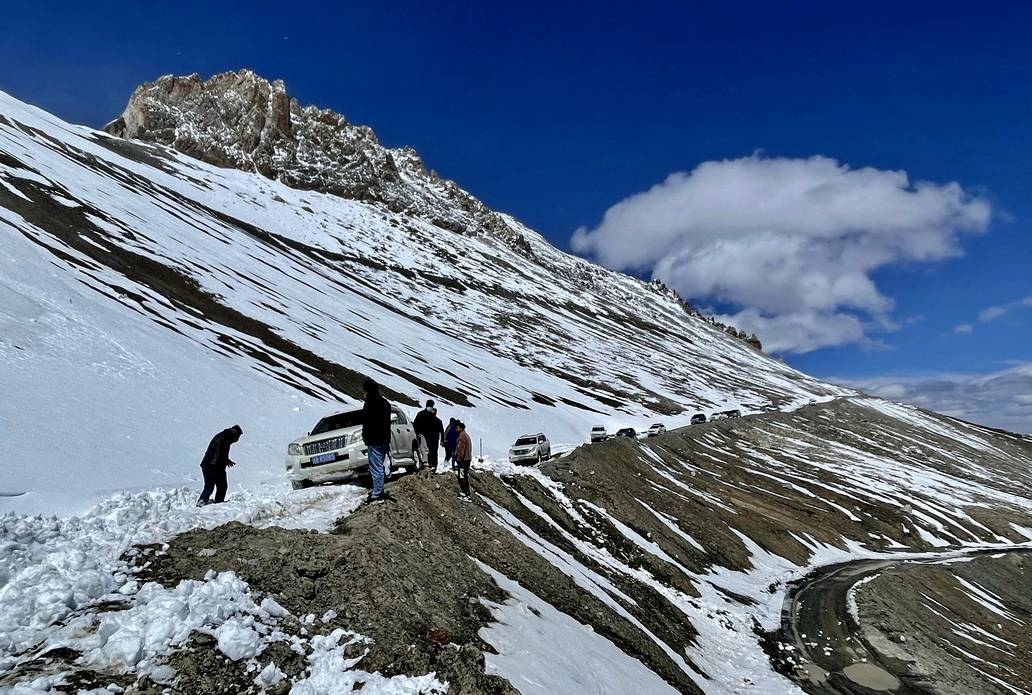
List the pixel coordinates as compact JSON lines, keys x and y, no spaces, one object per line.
{"x":399,"y":447}
{"x":406,"y":435}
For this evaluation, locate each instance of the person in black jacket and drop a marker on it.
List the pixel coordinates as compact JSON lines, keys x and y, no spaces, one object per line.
{"x":430,"y":427}
{"x":376,"y":434}
{"x":215,"y":462}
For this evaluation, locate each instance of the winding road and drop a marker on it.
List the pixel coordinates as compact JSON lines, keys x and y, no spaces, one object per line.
{"x":828,"y":651}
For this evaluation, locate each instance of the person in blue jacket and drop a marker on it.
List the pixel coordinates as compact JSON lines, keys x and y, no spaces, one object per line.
{"x":451,"y":437}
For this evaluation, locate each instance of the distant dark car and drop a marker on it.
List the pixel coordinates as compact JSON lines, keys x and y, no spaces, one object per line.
{"x":627,"y":432}
{"x":698,"y":419}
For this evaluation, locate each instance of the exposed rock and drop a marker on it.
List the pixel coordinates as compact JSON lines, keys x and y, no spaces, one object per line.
{"x":659,"y":287}
{"x":243,"y":121}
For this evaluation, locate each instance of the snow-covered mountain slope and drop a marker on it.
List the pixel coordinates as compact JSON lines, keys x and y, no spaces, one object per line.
{"x":658,"y":566}
{"x":148,"y":299}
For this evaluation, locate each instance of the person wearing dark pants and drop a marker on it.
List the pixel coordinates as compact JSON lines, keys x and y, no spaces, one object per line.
{"x":463,"y":458}
{"x":376,"y":433}
{"x":214,"y":464}
{"x":429,"y":427}
{"x":451,"y":435}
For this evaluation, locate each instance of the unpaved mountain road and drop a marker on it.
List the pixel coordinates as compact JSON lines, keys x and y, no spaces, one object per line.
{"x":834,"y":655}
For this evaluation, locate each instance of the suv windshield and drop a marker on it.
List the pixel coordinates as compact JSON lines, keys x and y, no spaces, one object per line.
{"x":338,"y":422}
{"x":598,"y":429}
{"x":526,"y":441}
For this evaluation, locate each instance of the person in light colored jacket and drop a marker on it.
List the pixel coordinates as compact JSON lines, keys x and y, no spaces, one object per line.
{"x":463,"y":458}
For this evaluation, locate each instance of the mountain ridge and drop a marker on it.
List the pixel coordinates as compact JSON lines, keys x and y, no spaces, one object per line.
{"x":148,"y":298}
{"x":241,"y":120}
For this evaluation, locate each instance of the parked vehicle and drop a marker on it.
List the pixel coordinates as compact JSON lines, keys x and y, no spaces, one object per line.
{"x":813,"y":401}
{"x":530,"y":448}
{"x":599,"y":434}
{"x":698,"y":419}
{"x":735,"y":412}
{"x":655,"y":430}
{"x":627,"y":432}
{"x":334,"y":450}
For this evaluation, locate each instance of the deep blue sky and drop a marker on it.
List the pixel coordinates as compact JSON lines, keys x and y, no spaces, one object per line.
{"x":554,"y":112}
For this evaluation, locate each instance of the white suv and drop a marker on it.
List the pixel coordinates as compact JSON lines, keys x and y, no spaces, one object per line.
{"x":656,"y":430}
{"x":598,"y":434}
{"x":333,"y":450}
{"x":530,"y":448}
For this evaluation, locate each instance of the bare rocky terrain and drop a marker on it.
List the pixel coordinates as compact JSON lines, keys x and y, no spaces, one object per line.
{"x":688,"y":553}
{"x":959,"y":627}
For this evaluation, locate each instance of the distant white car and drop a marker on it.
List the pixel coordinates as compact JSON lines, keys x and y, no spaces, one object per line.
{"x":599,"y":434}
{"x":656,"y":430}
{"x":530,"y":448}
{"x":334,"y":450}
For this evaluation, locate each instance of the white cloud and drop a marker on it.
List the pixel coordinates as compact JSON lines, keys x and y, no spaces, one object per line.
{"x":963,"y":328}
{"x":790,"y":242}
{"x":798,"y":331}
{"x":994,"y":312}
{"x":999,"y":399}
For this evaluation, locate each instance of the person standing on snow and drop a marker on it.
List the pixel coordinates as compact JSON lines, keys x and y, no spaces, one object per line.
{"x":214,"y":464}
{"x":463,"y":458}
{"x":451,"y":435}
{"x":428,"y":426}
{"x":376,"y":434}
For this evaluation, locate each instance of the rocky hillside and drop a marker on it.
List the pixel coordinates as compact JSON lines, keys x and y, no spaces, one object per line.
{"x":654,"y":566}
{"x":249,"y":260}
{"x":240,"y":120}
{"x":222,"y":254}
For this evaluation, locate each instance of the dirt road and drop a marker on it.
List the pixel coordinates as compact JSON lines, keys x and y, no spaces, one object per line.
{"x":831,"y":654}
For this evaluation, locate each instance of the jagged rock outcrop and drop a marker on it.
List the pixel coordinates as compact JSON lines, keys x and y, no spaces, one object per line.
{"x":659,"y":287}
{"x":241,"y":120}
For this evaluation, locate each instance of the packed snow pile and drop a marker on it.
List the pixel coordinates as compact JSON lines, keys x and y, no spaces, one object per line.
{"x":149,"y":299}
{"x":53,"y":567}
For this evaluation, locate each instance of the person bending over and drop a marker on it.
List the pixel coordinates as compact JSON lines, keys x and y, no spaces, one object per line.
{"x":214,"y":464}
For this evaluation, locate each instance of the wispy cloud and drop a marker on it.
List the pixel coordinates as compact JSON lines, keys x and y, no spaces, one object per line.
{"x":963,"y":328}
{"x":994,"y":312}
{"x":999,"y":399}
{"x":791,"y":244}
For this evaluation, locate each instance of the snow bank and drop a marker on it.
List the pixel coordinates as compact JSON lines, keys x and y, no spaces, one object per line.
{"x":54,"y":567}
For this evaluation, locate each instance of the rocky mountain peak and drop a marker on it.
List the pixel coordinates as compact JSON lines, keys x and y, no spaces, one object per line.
{"x":244,"y":121}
